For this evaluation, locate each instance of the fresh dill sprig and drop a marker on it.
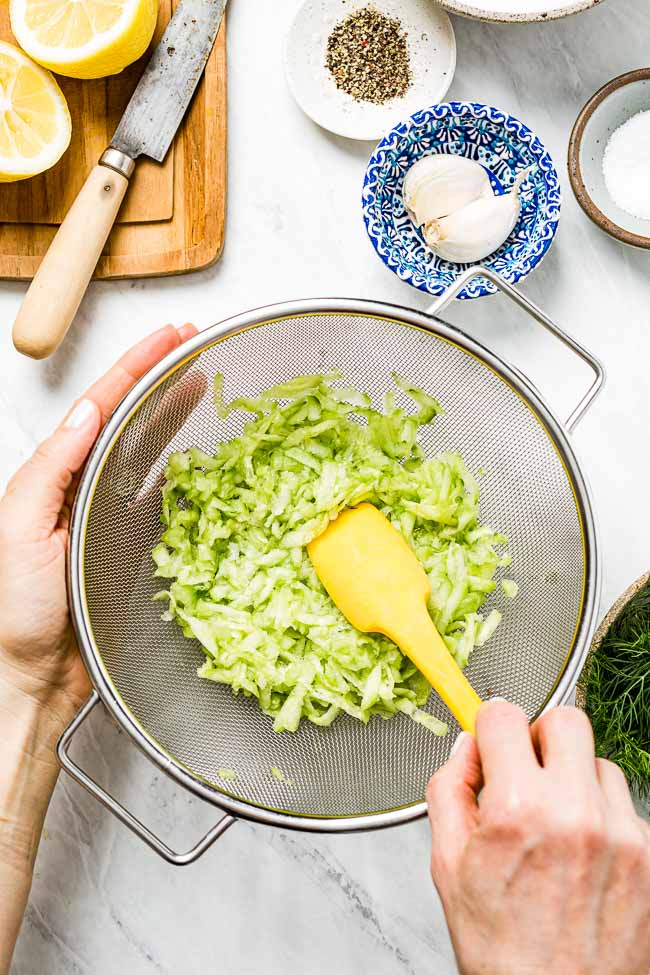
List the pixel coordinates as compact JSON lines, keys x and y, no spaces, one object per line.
{"x":616,"y":691}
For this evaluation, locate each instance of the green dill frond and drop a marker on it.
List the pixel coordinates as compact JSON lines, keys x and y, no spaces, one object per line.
{"x":616,"y":690}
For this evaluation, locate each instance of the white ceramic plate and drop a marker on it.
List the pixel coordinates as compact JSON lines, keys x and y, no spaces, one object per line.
{"x":432,"y":50}
{"x":523,"y":11}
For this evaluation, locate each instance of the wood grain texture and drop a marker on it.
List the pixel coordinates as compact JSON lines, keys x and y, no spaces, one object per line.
{"x":188,"y":238}
{"x":96,"y":107}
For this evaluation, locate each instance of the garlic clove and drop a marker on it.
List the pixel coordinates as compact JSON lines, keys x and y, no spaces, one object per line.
{"x":478,"y":229}
{"x":472,"y":233}
{"x":437,"y":185}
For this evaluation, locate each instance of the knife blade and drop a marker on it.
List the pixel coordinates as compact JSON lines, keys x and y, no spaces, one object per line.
{"x":160,"y":100}
{"x":147,"y":128}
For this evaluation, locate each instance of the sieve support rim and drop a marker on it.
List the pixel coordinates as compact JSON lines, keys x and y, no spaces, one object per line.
{"x":535,"y":312}
{"x":118,"y":810}
{"x":250,"y":806}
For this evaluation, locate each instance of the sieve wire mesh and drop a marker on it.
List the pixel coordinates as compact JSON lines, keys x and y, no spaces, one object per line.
{"x":347,"y":769}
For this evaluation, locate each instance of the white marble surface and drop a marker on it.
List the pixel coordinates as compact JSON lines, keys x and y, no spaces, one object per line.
{"x":263,"y":900}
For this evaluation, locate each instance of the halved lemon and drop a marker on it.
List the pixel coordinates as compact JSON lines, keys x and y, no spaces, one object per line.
{"x":34,"y":118}
{"x":84,"y":38}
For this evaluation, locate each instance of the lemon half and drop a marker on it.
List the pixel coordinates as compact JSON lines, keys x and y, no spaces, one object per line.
{"x":34,"y":118}
{"x":84,"y":38}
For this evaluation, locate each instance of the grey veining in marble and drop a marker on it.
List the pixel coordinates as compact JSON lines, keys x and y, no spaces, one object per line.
{"x":260,"y":900}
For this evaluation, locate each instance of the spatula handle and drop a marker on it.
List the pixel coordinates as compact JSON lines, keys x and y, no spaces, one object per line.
{"x":55,"y":294}
{"x":421,"y":642}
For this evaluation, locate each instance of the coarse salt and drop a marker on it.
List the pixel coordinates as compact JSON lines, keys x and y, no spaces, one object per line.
{"x":626,"y":166}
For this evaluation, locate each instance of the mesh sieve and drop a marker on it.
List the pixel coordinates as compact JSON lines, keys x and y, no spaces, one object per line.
{"x":145,"y":670}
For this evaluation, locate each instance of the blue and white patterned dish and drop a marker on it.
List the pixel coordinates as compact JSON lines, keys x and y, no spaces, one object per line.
{"x":504,"y":146}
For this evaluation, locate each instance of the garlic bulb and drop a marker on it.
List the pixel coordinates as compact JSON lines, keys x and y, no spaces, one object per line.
{"x":478,"y":229}
{"x":438,"y":185}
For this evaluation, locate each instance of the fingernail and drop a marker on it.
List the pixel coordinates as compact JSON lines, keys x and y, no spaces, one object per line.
{"x":459,"y":741}
{"x":80,"y":415}
{"x":492,"y":700}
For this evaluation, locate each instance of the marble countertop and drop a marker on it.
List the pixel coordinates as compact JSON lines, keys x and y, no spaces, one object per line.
{"x":265,"y":900}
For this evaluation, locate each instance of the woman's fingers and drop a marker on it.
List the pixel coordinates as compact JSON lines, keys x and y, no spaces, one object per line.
{"x":115,"y":384}
{"x":614,"y":786}
{"x":187,"y":331}
{"x":154,"y":431}
{"x":504,"y":743}
{"x":452,"y":805}
{"x":37,"y":492}
{"x":564,"y":741}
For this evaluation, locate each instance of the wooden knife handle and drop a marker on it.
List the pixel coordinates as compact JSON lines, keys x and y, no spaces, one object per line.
{"x":60,"y":283}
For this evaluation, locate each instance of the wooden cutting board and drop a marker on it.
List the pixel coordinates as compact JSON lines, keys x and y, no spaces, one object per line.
{"x":173,"y":216}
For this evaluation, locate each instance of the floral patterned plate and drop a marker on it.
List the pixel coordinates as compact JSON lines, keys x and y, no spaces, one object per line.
{"x":504,"y":146}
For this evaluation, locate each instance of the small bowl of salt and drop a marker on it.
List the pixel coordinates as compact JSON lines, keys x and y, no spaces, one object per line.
{"x":609,"y":158}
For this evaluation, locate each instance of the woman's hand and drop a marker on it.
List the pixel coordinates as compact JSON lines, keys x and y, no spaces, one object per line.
{"x":42,"y":678}
{"x":38,"y":654}
{"x":550,"y":872}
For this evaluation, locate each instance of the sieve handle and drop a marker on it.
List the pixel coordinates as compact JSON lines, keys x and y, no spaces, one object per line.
{"x":539,"y":316}
{"x":178,"y":859}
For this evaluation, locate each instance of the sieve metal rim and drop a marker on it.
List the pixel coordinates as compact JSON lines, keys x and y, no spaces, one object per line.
{"x":516,"y":380}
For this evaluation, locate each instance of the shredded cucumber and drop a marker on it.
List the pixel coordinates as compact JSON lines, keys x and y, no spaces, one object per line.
{"x":233,"y":546}
{"x":510,"y":588}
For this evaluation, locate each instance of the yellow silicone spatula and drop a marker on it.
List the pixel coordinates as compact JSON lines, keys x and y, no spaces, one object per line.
{"x":380,"y":587}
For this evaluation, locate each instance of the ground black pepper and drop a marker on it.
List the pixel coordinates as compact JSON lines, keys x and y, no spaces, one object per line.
{"x":368,"y":56}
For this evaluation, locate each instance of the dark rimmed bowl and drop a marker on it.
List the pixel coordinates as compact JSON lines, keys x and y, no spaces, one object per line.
{"x":621,"y":604}
{"x":617,"y":609}
{"x":609,"y":108}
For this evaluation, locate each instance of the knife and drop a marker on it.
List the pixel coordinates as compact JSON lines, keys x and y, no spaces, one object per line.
{"x":147,"y":128}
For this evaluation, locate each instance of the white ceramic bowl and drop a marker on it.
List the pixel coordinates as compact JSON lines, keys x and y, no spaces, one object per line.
{"x":432,"y":50}
{"x":606,"y":111}
{"x":517,"y":11}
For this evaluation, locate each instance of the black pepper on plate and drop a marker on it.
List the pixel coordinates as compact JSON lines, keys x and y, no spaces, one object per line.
{"x":368,"y":56}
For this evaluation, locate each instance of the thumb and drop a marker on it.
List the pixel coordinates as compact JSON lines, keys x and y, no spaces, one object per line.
{"x":36,"y":493}
{"x":452,"y":802}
